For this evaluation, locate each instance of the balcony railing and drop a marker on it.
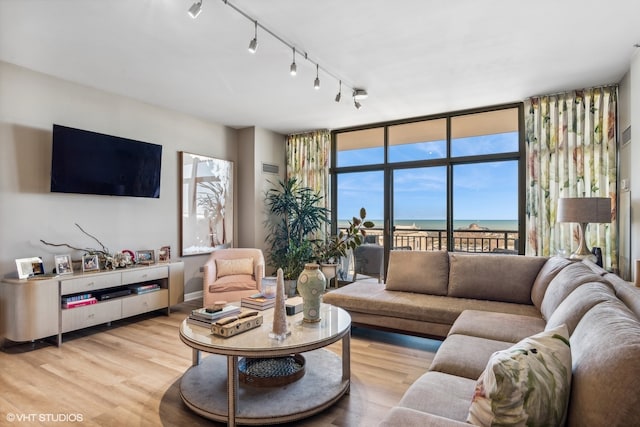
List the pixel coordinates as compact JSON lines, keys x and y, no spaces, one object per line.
{"x":504,"y":241}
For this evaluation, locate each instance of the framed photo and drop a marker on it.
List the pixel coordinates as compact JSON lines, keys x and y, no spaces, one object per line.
{"x":207,"y":204}
{"x":90,"y":263}
{"x":28,"y":267}
{"x":146,"y":257}
{"x":63,"y":264}
{"x":164,"y":254}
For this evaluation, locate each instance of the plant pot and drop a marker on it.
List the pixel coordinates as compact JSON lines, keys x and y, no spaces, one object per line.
{"x":290,"y":286}
{"x":329,"y":269}
{"x":311,"y":286}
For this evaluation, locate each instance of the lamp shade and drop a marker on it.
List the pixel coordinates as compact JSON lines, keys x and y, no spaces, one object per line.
{"x":584,"y":209}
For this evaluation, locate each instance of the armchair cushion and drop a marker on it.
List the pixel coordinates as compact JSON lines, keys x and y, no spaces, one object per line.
{"x":238,"y":282}
{"x":232,"y":267}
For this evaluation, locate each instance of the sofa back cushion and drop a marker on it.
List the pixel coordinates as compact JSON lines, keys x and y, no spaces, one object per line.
{"x":581,"y":300}
{"x":549,"y":270}
{"x":605,"y":349}
{"x":565,"y":282}
{"x":505,"y":278}
{"x":418,"y":271}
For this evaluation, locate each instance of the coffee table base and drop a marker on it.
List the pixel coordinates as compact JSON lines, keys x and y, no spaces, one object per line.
{"x":204,"y":390}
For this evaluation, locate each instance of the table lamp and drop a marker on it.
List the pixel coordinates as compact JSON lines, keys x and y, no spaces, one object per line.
{"x":584,"y":210}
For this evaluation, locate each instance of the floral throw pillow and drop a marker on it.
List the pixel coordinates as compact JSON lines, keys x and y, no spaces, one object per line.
{"x":527,"y":384}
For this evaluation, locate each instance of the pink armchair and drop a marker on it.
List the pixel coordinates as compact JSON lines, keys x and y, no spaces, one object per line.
{"x":230,"y":274}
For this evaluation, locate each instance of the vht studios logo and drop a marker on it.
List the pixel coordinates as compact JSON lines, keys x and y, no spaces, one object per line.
{"x":51,"y":418}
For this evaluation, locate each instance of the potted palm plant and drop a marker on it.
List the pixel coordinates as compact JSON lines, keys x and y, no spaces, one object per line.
{"x":294,"y":216}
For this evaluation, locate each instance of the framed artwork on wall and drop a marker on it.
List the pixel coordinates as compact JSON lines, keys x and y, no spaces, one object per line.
{"x":207,"y":208}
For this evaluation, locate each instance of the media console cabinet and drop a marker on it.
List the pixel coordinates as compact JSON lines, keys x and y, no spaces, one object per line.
{"x":32,"y":309}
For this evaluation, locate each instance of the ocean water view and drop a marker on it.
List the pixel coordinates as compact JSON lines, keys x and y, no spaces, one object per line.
{"x":437,"y":224}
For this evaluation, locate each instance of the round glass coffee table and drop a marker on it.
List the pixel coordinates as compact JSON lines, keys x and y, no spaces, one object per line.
{"x":211,"y":388}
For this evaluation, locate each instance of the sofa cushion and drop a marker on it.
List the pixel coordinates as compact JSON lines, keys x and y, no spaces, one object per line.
{"x":565,"y":282}
{"x":440,"y":394}
{"x":406,"y":417}
{"x":581,"y":300}
{"x":527,"y":384}
{"x":372,"y":298}
{"x":506,"y":278}
{"x":231,"y":267}
{"x":549,"y":270}
{"x":424,"y":272}
{"x":491,"y":325}
{"x":606,"y":368}
{"x":240,"y":282}
{"x":465,"y":356}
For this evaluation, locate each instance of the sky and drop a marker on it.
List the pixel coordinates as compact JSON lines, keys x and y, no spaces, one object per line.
{"x":482,"y":191}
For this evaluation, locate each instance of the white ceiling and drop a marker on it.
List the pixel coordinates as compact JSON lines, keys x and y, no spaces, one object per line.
{"x":414,"y":57}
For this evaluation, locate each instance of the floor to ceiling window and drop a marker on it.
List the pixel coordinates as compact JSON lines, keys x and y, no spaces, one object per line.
{"x":448,"y":182}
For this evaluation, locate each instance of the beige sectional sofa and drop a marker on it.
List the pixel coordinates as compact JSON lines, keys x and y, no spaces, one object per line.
{"x":484,"y":305}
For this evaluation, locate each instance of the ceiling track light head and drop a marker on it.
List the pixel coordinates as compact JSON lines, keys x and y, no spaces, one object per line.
{"x":339,"y":94}
{"x":195,"y":9}
{"x":360,"y":94}
{"x":253,"y":44}
{"x":316,"y":82}
{"x":294,"y":68}
{"x":356,"y":104}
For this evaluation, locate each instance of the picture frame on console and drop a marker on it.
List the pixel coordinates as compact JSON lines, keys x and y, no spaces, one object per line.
{"x":28,"y":267}
{"x":164,"y":254}
{"x":146,"y":257}
{"x":207,"y":204}
{"x":63,"y":263}
{"x":90,"y":262}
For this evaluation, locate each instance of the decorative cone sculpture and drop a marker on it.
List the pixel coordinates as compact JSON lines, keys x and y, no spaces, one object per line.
{"x":279,"y":330}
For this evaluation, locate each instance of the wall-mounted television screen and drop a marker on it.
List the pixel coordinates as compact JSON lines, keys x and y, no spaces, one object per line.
{"x":87,"y":162}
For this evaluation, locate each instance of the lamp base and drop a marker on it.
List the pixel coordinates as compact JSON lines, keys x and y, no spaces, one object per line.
{"x":583,"y":251}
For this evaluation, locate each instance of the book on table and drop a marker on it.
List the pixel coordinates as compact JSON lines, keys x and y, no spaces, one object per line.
{"x":201,"y":315}
{"x":257,"y":302}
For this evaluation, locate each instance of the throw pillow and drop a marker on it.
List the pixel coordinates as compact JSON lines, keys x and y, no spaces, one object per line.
{"x":231,"y":267}
{"x":527,"y":384}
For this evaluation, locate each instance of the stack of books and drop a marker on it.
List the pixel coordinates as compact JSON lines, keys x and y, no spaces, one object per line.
{"x":257,"y":302}
{"x":202,"y":317}
{"x":73,"y":301}
{"x":142,"y":289}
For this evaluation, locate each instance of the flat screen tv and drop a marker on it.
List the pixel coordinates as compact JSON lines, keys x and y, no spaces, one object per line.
{"x":87,"y":162}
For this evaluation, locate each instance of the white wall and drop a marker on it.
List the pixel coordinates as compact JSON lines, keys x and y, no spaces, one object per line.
{"x":263,"y":146}
{"x":30,"y":103}
{"x":634,"y":88}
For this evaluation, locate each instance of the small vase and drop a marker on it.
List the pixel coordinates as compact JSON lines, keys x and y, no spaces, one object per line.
{"x":311,"y":286}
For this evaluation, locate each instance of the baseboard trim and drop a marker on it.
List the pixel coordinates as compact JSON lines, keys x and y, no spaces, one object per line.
{"x":192,"y":295}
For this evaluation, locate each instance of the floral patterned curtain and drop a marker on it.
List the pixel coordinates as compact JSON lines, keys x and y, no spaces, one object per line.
{"x":571,"y":152}
{"x":308,"y":157}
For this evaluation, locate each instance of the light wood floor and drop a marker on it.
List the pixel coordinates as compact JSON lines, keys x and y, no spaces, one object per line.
{"x":128,"y":374}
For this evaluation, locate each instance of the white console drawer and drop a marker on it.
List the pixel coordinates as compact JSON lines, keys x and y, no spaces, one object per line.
{"x":90,"y":283}
{"x":145,"y":302}
{"x":144,"y":274}
{"x":90,"y":315}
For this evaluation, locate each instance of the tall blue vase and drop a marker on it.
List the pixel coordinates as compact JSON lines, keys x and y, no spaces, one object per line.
{"x":311,"y":286}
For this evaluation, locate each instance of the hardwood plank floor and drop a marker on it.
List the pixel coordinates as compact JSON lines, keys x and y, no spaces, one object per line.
{"x":128,"y":374}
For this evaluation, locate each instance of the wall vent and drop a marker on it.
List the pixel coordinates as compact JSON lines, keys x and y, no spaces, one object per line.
{"x":267,"y":168}
{"x":626,"y":136}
